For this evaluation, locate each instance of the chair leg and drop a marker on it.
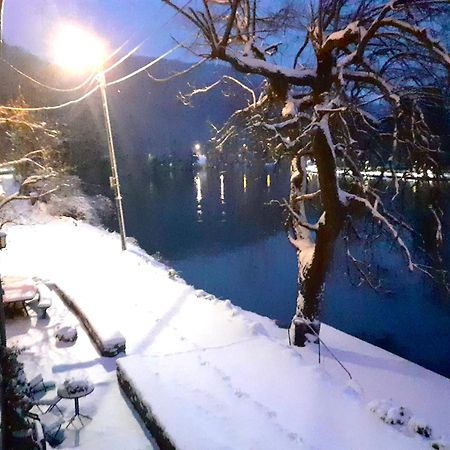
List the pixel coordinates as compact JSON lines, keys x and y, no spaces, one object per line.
{"x":24,"y":307}
{"x":39,"y":408}
{"x":50,"y":408}
{"x":54,"y":405}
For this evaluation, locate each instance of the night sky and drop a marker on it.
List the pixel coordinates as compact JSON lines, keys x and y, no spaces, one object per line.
{"x":29,"y":23}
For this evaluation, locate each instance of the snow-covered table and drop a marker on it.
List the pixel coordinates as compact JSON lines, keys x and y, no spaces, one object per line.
{"x":63,"y":392}
{"x":18,"y":290}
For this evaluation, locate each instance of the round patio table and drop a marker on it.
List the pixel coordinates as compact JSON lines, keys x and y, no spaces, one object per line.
{"x":63,"y":393}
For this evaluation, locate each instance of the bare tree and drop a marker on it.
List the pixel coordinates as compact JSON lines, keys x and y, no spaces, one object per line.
{"x":31,"y":149}
{"x":362,"y":77}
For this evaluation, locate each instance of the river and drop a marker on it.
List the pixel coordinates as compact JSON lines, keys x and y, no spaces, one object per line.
{"x":223,"y":232}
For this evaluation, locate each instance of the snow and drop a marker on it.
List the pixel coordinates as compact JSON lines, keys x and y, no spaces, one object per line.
{"x":214,"y":375}
{"x":305,"y":75}
{"x":76,"y":386}
{"x":289,"y":109}
{"x":112,"y":422}
{"x":8,"y":184}
{"x":66,"y":334}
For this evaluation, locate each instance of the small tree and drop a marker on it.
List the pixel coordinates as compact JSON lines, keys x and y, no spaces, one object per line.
{"x":31,"y":149}
{"x":362,"y":79}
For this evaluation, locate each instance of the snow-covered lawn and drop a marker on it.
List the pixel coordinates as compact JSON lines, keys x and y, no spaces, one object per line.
{"x":214,"y":375}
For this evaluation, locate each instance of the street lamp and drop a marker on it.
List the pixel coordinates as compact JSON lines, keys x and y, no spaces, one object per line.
{"x":77,"y":50}
{"x":2,"y":307}
{"x":2,"y":353}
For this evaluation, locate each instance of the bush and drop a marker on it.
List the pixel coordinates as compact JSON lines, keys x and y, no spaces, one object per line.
{"x":18,"y":428}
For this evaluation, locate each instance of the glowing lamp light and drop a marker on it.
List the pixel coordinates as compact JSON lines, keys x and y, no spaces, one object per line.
{"x":77,"y":50}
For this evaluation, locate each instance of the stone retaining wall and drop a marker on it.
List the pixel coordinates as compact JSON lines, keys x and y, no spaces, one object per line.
{"x":106,"y":347}
{"x":144,"y":411}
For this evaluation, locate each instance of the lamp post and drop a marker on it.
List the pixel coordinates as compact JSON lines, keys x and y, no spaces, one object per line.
{"x":114,"y":179}
{"x":77,"y":50}
{"x":2,"y":307}
{"x":2,"y":353}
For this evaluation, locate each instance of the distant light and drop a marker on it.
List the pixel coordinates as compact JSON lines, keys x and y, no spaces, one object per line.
{"x":197,"y":147}
{"x":76,"y":49}
{"x":198,"y":188}
{"x":245,"y":183}
{"x":222,"y":189}
{"x":268,"y":180}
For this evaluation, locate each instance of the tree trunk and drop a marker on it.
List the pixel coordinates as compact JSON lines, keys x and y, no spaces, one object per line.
{"x":313,"y":270}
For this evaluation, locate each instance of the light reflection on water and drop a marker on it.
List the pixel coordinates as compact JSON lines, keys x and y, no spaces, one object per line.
{"x":222,"y":189}
{"x":218,"y":229}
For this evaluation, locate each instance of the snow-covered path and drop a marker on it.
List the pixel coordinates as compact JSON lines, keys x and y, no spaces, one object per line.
{"x":216,"y":376}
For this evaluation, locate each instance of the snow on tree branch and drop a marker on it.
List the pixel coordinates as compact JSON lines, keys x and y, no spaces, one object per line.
{"x":186,"y":97}
{"x":347,"y":197}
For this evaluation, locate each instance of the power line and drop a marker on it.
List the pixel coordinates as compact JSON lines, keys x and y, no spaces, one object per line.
{"x":52,"y":88}
{"x":92,"y":75}
{"x":125,"y":57}
{"x":46,"y":86}
{"x":87,"y":94}
{"x":150,"y":64}
{"x":49,"y":108}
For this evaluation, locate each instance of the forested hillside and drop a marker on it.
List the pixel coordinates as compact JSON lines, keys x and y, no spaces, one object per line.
{"x":147,"y":115}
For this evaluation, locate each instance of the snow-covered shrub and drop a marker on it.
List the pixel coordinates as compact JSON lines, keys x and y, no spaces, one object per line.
{"x":69,"y":200}
{"x":18,"y":429}
{"x":397,"y":415}
{"x":173,"y":274}
{"x":66,"y":334}
{"x":440,"y":445}
{"x":389,"y":413}
{"x":400,"y":416}
{"x":420,"y":427}
{"x":200,"y":293}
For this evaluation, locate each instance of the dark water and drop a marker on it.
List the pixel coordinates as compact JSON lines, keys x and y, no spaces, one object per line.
{"x":220,"y":231}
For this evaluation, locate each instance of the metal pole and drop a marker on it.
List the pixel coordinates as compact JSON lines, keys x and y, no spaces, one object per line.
{"x":2,"y":370}
{"x":114,"y":179}
{"x":2,"y":318}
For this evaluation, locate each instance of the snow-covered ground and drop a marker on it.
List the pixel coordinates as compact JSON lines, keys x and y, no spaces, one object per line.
{"x":215,"y":376}
{"x":113,"y":420}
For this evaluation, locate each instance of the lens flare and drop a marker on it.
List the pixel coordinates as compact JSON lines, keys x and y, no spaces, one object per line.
{"x":76,"y":49}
